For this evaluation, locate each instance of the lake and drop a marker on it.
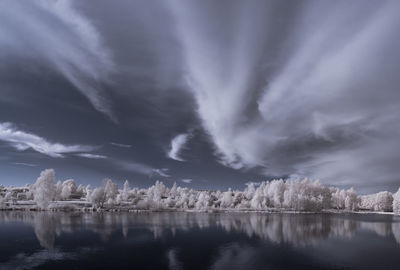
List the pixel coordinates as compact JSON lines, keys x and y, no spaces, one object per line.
{"x":173,"y":240}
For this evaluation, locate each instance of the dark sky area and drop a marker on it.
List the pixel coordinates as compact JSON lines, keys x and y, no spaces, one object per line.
{"x":210,"y":94}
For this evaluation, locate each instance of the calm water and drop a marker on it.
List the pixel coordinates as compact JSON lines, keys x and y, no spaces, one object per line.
{"x":198,"y":241}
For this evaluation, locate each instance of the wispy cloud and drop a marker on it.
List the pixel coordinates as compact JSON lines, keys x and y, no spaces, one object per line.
{"x":64,"y":38}
{"x":21,"y":141}
{"x":25,"y":164}
{"x":187,"y":181}
{"x":177,"y":143}
{"x":134,"y":167}
{"x":93,"y":156}
{"x":162,"y":172}
{"x":330,"y":93}
{"x":121,"y":145}
{"x":140,"y":168}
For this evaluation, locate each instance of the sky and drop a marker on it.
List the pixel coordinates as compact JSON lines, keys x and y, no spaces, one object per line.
{"x":210,"y":94}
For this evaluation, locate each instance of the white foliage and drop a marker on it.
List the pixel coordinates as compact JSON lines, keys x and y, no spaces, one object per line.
{"x":275,"y":195}
{"x":396,"y":202}
{"x":125,"y":192}
{"x":68,"y":188}
{"x":97,"y":197}
{"x":44,"y":188}
{"x":382,"y":201}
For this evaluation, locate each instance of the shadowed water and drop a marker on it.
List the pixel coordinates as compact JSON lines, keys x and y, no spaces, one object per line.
{"x":56,"y":240}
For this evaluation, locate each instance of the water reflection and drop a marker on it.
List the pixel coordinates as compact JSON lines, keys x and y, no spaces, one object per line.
{"x":295,"y":229}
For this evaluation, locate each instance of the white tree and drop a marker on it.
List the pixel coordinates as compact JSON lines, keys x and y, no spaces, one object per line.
{"x":58,"y":191}
{"x":88,"y":190}
{"x":227,"y":199}
{"x":97,"y":197}
{"x":80,"y":191}
{"x":351,"y":201}
{"x":125,"y":192}
{"x":383,"y":201}
{"x":249,"y":191}
{"x":44,"y":188}
{"x":202,"y":201}
{"x":396,"y":202}
{"x":110,"y":190}
{"x":68,"y":188}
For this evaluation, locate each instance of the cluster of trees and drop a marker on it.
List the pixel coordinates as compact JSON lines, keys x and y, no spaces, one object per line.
{"x":298,"y":195}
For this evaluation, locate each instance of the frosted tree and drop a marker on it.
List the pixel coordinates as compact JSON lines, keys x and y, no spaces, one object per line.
{"x":383,"y":201}
{"x":275,"y":193}
{"x":80,"y":191}
{"x":396,"y":202}
{"x":110,"y":190}
{"x":202,"y":201}
{"x":88,"y":191}
{"x":125,"y":192}
{"x":351,"y":201}
{"x":249,"y":191}
{"x":58,"y":191}
{"x":258,"y":197}
{"x":97,"y":197}
{"x":227,"y":199}
{"x":44,"y":188}
{"x":173,"y":192}
{"x":68,"y":188}
{"x":338,"y":198}
{"x":107,"y":193}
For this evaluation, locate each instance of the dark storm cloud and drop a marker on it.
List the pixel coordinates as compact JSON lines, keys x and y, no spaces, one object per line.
{"x":233,"y":88}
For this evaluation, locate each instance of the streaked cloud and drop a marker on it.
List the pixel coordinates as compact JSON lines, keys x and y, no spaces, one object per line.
{"x":135,"y":167}
{"x":92,"y":156}
{"x":162,"y":172}
{"x":302,"y":100}
{"x":25,"y":164}
{"x":63,"y":37}
{"x":177,"y":143}
{"x":187,"y":180}
{"x":22,"y":141}
{"x":121,"y":145}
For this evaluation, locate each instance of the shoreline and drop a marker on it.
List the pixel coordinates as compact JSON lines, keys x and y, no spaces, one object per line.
{"x":209,"y":211}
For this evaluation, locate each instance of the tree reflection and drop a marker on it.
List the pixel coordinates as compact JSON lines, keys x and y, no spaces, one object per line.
{"x":294,"y":229}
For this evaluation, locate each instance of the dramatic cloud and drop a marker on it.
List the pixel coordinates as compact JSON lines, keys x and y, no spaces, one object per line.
{"x":319,"y":109}
{"x":92,"y":156}
{"x":56,"y":33}
{"x":21,"y":141}
{"x":177,"y":144}
{"x":271,"y":88}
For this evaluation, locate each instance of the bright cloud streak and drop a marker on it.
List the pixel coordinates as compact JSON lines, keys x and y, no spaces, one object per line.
{"x":121,"y":145}
{"x":92,"y":156}
{"x":21,"y":141}
{"x":66,"y":39}
{"x":317,"y":105}
{"x":177,"y":144}
{"x":187,"y":181}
